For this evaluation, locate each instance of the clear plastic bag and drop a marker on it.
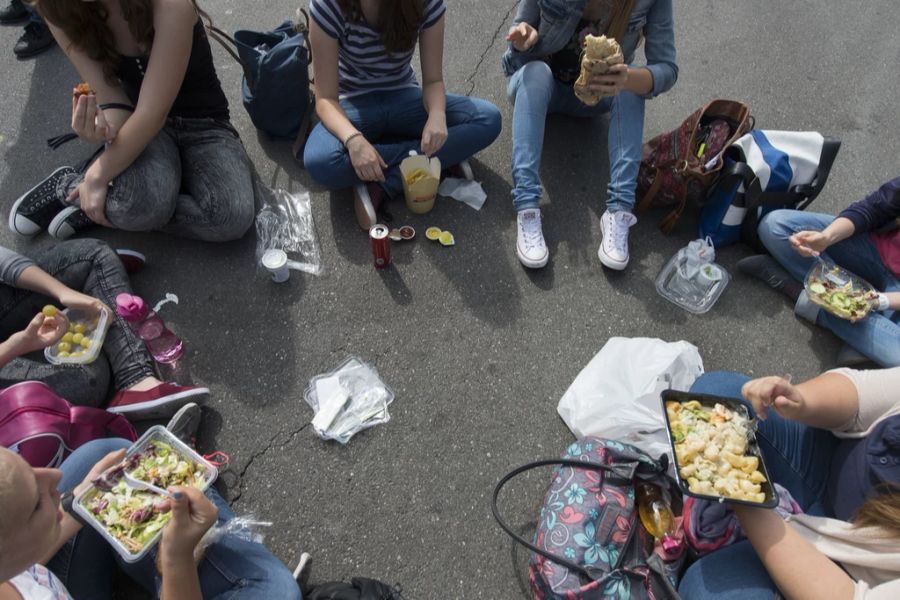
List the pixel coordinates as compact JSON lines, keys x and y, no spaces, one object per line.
{"x":245,"y":527}
{"x":286,"y":223}
{"x":347,"y":400}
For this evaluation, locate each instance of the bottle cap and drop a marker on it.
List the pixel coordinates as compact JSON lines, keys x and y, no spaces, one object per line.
{"x":131,"y":307}
{"x":670,"y":544}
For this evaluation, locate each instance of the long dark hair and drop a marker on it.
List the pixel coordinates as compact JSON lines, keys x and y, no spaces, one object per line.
{"x":398,"y":21}
{"x":84,"y":23}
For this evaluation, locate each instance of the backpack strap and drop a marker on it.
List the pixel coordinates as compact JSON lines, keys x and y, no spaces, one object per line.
{"x":621,"y":471}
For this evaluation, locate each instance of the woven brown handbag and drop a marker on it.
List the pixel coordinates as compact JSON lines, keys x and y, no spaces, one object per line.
{"x":680,"y":166}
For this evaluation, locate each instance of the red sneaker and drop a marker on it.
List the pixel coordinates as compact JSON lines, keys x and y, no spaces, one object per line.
{"x":159,"y":402}
{"x":132,"y":260}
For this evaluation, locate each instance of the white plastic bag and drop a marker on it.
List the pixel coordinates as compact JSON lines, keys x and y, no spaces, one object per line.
{"x":696,"y":254}
{"x":286,"y":223}
{"x":617,"y":395}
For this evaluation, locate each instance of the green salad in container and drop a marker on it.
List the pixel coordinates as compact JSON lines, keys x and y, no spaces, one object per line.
{"x":840,"y":292}
{"x":134,"y":516}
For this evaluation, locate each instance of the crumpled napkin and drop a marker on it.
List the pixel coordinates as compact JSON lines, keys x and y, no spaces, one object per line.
{"x":469,"y":192}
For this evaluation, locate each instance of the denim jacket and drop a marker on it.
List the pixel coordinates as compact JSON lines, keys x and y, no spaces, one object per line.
{"x":556,"y":21}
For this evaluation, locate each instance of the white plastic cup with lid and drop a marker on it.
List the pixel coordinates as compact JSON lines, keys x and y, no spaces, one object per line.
{"x":276,"y":262}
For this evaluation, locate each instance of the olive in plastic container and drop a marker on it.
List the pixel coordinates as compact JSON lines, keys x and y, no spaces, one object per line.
{"x":838,"y":291}
{"x":708,"y":400}
{"x":71,"y":350}
{"x":154,"y":434}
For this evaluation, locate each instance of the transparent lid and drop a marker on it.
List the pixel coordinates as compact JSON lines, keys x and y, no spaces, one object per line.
{"x":695,"y":294}
{"x":839,"y":291}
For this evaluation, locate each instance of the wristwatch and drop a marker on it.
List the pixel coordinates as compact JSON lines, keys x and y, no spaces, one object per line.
{"x":65,"y":502}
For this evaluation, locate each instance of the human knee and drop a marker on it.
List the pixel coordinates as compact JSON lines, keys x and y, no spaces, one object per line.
{"x":491,"y":118}
{"x":533,"y":78}
{"x":321,"y":155}
{"x":143,"y":207}
{"x":775,"y":227}
{"x":234,"y":218}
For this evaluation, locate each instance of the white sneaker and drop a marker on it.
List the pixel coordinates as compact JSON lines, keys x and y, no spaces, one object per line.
{"x":530,"y":246}
{"x":613,"y":251}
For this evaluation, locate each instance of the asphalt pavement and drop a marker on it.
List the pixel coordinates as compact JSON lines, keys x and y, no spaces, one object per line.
{"x":478,"y":349}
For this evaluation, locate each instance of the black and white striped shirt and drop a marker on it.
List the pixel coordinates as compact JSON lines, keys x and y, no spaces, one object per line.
{"x":363,"y":63}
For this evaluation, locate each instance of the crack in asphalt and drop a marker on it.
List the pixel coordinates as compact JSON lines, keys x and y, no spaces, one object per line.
{"x":255,"y":455}
{"x":471,"y":78}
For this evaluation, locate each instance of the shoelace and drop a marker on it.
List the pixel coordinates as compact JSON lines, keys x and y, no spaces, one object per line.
{"x":531,"y":233}
{"x":618,"y":235}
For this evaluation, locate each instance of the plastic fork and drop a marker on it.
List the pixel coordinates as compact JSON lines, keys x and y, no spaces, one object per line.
{"x":837,"y":278}
{"x":145,"y":485}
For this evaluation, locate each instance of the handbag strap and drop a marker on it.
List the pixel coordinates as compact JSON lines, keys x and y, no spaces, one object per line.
{"x":566,"y":462}
{"x":230,"y":45}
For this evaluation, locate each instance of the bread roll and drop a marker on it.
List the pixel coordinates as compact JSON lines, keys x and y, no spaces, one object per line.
{"x":600,"y":53}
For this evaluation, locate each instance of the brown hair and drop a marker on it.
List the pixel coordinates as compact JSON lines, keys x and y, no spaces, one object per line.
{"x":882,"y":511}
{"x":84,"y":23}
{"x":619,"y":21}
{"x":398,"y":21}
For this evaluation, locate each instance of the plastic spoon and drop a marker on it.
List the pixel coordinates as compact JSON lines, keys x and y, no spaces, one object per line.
{"x":145,"y":485}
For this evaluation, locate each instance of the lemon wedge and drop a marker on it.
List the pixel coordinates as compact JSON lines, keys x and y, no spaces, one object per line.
{"x":433,"y":233}
{"x":446,"y":239}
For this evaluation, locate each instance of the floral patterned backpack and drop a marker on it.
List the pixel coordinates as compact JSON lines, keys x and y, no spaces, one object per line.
{"x":589,"y":543}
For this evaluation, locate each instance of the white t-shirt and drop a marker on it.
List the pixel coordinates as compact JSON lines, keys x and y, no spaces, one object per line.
{"x":39,"y":583}
{"x":869,"y":557}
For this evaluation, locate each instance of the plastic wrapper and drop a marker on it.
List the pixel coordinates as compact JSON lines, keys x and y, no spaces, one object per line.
{"x":245,"y":527}
{"x":347,"y":400}
{"x":691,"y":279}
{"x":286,"y":223}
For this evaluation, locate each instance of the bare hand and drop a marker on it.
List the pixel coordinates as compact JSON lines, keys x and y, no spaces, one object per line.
{"x":435,"y":134}
{"x":40,"y":333}
{"x":91,"y":197}
{"x":809,"y":243}
{"x":89,"y":122}
{"x":367,"y":163}
{"x":610,"y":83}
{"x":87,"y":305}
{"x":775,"y":392}
{"x":104,"y":464}
{"x":522,"y":36}
{"x":192,"y":515}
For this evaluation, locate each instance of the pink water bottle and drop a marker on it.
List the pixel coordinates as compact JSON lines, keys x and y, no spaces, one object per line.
{"x":164,"y":346}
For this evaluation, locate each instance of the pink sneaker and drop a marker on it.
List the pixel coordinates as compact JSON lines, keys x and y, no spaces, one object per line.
{"x":159,"y":402}
{"x":132,"y":260}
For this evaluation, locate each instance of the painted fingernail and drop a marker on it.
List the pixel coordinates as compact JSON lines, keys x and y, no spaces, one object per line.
{"x":177,"y":495}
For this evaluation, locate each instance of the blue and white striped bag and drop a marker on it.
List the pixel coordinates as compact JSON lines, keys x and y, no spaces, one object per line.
{"x":765,"y":170}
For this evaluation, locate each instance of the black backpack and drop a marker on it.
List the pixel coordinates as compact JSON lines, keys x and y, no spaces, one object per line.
{"x":359,"y":588}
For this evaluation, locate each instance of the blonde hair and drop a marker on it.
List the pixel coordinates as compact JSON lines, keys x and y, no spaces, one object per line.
{"x":7,"y":491}
{"x":882,"y":511}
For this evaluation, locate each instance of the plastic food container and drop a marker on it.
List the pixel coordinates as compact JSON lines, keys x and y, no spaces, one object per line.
{"x":696,"y":295}
{"x":767,"y":487}
{"x":95,"y":332}
{"x":155,"y":433}
{"x":838,"y":291}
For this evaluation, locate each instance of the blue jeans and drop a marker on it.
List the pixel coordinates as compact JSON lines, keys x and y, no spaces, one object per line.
{"x":535,"y":93}
{"x":878,"y":335}
{"x":392,"y":121}
{"x":797,"y":457}
{"x":232,"y":568}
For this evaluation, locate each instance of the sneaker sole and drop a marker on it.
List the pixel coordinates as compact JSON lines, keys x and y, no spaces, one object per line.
{"x":607,"y":260}
{"x":532,"y":264}
{"x":187,"y":420}
{"x":58,"y":227}
{"x":468,"y":173}
{"x":135,"y":265}
{"x":17,"y":203}
{"x":161,"y":408}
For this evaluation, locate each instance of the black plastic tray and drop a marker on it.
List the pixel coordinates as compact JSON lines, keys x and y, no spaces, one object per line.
{"x":767,"y":486}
